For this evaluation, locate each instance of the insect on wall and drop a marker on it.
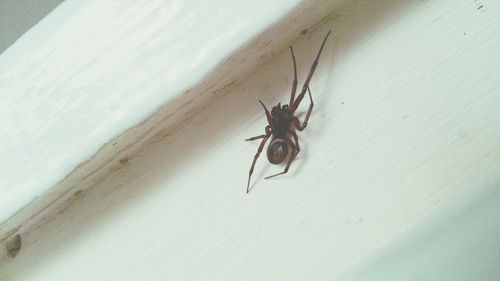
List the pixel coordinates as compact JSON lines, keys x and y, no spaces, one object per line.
{"x":282,"y":122}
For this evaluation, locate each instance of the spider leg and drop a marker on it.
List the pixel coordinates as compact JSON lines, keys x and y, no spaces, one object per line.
{"x":296,"y":103}
{"x":256,"y":138}
{"x":294,"y":85}
{"x":292,"y":156}
{"x":261,"y":146}
{"x":268,"y":132}
{"x":296,"y":121}
{"x":268,"y":116}
{"x":296,"y":139}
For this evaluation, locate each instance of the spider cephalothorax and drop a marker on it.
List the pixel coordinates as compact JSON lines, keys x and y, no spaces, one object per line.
{"x":282,"y":122}
{"x":282,"y":118}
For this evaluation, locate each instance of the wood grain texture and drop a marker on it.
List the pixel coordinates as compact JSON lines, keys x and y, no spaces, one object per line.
{"x":397,"y":176}
{"x":110,"y":77}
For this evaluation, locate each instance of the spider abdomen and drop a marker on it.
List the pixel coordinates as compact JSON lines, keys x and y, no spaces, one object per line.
{"x":277,"y":151}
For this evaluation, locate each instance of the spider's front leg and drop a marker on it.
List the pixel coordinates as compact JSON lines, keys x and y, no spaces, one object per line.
{"x":296,"y":103}
{"x":294,"y":85}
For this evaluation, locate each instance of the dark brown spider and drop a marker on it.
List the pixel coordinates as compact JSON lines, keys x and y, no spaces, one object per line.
{"x":280,"y":122}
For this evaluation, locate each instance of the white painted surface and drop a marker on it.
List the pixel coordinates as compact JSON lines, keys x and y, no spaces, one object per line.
{"x":93,"y":69}
{"x":397,"y":179}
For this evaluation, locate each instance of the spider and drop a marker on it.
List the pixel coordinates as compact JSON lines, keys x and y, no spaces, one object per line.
{"x":281,"y":121}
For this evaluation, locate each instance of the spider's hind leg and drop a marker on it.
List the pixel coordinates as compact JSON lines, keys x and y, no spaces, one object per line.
{"x":261,"y":146}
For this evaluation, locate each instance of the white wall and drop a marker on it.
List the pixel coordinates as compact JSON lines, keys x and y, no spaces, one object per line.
{"x":397,"y":178}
